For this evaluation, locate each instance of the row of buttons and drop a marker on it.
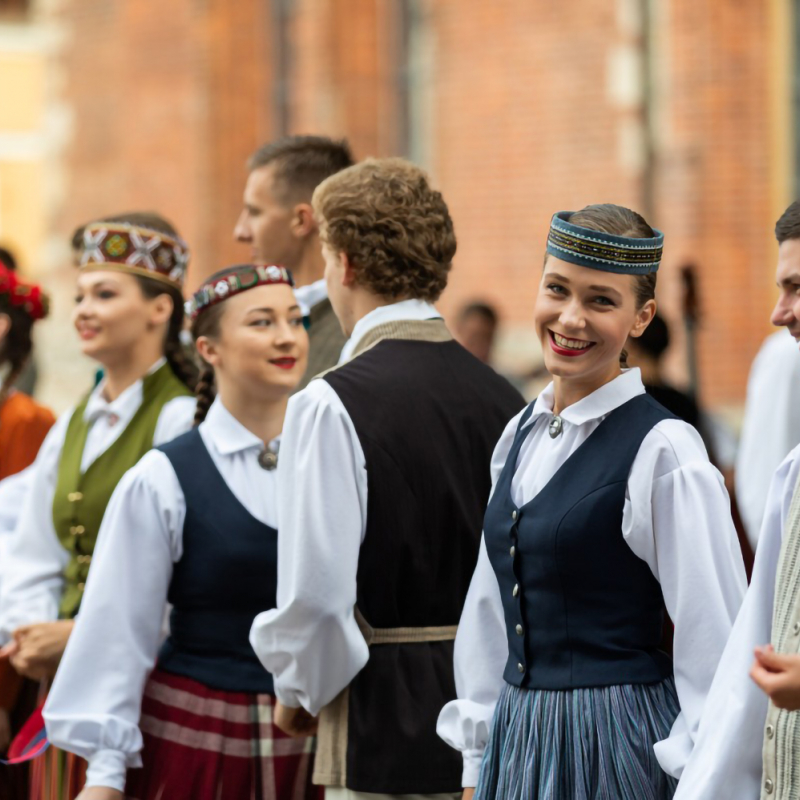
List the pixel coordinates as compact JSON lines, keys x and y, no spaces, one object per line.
{"x":520,"y":631}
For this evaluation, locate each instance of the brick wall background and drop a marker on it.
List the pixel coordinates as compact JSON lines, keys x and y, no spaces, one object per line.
{"x":518,"y":108}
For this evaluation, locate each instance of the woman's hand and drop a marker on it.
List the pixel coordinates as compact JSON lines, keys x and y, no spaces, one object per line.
{"x":469,"y":793}
{"x":779,"y":676}
{"x":295,"y":721}
{"x":39,"y":648}
{"x":100,"y":793}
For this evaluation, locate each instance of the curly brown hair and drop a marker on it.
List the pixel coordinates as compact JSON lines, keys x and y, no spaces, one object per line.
{"x":395,"y":230}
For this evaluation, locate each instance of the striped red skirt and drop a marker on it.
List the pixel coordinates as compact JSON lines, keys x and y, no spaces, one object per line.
{"x":205,"y":744}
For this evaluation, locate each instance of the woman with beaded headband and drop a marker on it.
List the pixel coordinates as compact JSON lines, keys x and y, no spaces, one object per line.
{"x":605,"y":510}
{"x":194,"y":523}
{"x":23,"y":427}
{"x":128,"y":314}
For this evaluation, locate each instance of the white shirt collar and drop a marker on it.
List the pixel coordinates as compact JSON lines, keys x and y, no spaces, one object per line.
{"x":405,"y":309}
{"x":598,"y":404}
{"x":122,"y":407}
{"x":227,"y":434}
{"x":311,"y":295}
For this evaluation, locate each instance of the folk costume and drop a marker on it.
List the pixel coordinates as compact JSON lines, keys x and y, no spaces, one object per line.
{"x":23,"y":427}
{"x":773,"y":395}
{"x":600,"y":516}
{"x":23,"y":422}
{"x":746,"y":747}
{"x":84,"y":456}
{"x":325,"y":337}
{"x":384,"y":473}
{"x":193,"y":523}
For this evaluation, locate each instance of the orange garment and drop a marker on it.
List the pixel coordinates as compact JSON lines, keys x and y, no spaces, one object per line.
{"x":23,"y":426}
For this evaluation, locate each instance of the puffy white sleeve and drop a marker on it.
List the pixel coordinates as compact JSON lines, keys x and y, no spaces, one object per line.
{"x":94,"y":705}
{"x":33,"y":558}
{"x":677,"y":518}
{"x":726,"y":761}
{"x":481,"y":651}
{"x":311,"y":642}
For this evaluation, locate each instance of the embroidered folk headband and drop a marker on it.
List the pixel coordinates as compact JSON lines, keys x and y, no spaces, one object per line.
{"x":235,"y":280}
{"x":131,"y":248}
{"x":603,"y":251}
{"x":18,"y":294}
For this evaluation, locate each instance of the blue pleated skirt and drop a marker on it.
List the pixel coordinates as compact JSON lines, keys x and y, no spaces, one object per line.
{"x":579,"y":744}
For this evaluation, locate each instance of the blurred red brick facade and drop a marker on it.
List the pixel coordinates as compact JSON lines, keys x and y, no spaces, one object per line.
{"x":517,"y":107}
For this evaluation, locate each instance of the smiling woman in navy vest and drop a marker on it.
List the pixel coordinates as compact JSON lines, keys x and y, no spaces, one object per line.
{"x":194,"y":524}
{"x":604,"y":511}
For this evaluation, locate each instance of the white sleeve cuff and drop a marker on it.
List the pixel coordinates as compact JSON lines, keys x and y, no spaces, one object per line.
{"x":472,"y":768}
{"x":107,"y":768}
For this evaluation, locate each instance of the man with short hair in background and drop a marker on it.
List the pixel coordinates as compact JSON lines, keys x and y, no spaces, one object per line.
{"x":278,"y":224}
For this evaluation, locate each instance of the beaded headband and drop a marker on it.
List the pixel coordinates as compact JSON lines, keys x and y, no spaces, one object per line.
{"x":131,"y":248}
{"x":235,"y":280}
{"x":603,"y":251}
{"x":19,"y":294}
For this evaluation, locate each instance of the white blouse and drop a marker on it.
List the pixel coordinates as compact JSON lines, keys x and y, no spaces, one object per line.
{"x":311,"y":642}
{"x":676,"y":518}
{"x":34,"y":560}
{"x":94,"y":705}
{"x":726,"y":763}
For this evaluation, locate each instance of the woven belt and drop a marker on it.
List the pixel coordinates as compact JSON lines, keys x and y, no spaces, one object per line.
{"x":372,"y":636}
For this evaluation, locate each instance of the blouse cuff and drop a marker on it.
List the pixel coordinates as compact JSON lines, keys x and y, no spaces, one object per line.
{"x":107,"y":768}
{"x":673,"y":752}
{"x":472,"y":768}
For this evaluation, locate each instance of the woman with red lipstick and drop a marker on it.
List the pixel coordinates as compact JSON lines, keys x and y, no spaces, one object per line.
{"x":605,"y":510}
{"x":193,"y":524}
{"x":128,"y":314}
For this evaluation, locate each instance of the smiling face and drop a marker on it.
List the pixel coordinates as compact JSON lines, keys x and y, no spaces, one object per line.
{"x":787,"y":310}
{"x":113,"y":317}
{"x":583,"y":318}
{"x":261,"y":350}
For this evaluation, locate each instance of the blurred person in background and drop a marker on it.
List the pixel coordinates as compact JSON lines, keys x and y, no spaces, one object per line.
{"x":27,"y":378}
{"x":476,"y":328}
{"x":129,"y":313}
{"x":277,"y":221}
{"x":747,"y":742}
{"x":771,"y":427}
{"x":194,"y":522}
{"x":23,"y":427}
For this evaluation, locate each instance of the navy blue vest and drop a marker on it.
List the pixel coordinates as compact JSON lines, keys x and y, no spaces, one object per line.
{"x":580,"y":608}
{"x":226,"y":576}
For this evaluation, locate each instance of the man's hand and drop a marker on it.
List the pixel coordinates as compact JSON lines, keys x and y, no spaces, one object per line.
{"x":779,"y":676}
{"x":37,"y":649}
{"x":469,"y":793}
{"x":295,"y":721}
{"x":100,"y":793}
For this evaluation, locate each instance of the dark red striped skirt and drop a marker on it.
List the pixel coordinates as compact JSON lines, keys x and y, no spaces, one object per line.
{"x":205,"y":744}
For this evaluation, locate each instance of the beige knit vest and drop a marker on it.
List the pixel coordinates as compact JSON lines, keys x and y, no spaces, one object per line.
{"x":781,"y":779}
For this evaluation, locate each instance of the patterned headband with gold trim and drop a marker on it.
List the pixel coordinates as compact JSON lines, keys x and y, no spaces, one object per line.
{"x":132,"y":248}
{"x":235,"y":280}
{"x":603,"y":251}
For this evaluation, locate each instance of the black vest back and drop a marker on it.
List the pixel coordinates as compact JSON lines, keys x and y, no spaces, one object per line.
{"x":428,"y":416}
{"x":581,"y":609}
{"x":225,"y":577}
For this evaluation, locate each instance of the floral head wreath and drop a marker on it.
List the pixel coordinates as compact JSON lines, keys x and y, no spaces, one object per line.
{"x":19,"y":294}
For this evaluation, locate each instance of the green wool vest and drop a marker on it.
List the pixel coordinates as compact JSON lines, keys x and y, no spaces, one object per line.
{"x":81,"y":498}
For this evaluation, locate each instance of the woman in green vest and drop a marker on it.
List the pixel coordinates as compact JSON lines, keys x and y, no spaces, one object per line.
{"x":129,"y":315}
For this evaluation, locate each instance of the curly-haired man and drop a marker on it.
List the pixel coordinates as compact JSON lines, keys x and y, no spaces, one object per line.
{"x":384,"y":478}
